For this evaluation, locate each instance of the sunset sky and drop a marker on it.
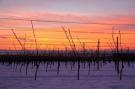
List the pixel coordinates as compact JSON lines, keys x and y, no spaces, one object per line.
{"x":77,"y":15}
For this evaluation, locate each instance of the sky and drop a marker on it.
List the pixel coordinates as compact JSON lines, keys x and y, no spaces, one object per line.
{"x":105,"y":14}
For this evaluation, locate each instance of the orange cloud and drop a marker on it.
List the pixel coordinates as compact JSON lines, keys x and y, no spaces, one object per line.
{"x":50,"y":35}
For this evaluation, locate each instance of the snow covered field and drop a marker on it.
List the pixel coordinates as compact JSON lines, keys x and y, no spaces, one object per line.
{"x":105,"y":78}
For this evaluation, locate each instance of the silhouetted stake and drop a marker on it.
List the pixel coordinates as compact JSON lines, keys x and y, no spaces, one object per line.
{"x":98,"y":54}
{"x":67,"y":37}
{"x":78,"y":70}
{"x":21,"y":67}
{"x":121,"y":70}
{"x":46,"y":66}
{"x":89,"y":68}
{"x":58,"y":67}
{"x":27,"y":65}
{"x":17,"y":39}
{"x":75,"y":51}
{"x":66,"y":51}
{"x":34,"y":36}
{"x":113,"y":37}
{"x":120,"y":40}
{"x":73,"y":47}
{"x":71,"y":38}
{"x":98,"y":49}
{"x":94,"y":64}
{"x":24,"y":43}
{"x":37,"y":67}
{"x":83,"y":46}
{"x":58,"y":62}
{"x":117,"y":46}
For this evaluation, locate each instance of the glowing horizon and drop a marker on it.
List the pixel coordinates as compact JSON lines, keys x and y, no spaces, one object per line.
{"x":49,"y":35}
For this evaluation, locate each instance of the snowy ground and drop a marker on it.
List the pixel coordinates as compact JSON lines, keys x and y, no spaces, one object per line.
{"x":105,"y":78}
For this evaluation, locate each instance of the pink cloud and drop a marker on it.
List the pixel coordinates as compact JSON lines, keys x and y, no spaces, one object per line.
{"x":63,"y":16}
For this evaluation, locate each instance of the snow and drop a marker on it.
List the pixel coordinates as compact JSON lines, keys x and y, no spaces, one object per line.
{"x":105,"y":78}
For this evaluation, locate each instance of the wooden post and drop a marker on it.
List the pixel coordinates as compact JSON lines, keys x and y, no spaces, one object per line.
{"x":98,"y":48}
{"x":117,"y":45}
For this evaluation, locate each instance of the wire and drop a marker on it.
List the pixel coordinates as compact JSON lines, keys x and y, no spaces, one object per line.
{"x":59,"y":21}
